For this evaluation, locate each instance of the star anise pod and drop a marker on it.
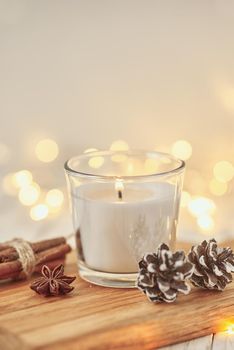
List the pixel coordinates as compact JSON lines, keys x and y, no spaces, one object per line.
{"x":53,"y":282}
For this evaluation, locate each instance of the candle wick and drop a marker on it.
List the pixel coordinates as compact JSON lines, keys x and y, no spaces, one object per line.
{"x":120,"y":194}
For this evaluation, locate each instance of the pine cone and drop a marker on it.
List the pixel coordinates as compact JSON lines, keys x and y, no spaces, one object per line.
{"x":162,"y":275}
{"x":213,"y":266}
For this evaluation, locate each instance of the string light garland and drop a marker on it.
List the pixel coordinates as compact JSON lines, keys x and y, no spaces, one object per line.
{"x":202,"y":208}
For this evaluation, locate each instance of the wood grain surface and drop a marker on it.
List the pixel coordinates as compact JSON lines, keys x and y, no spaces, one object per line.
{"x":99,"y":318}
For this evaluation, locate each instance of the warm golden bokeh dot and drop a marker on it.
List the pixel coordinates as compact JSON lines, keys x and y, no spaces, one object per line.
{"x":182,"y":149}
{"x":88,"y":150}
{"x":39,"y":212}
{"x":130,"y":168}
{"x":230,"y":329}
{"x":134,"y":167}
{"x":166,"y":160}
{"x":22,"y":178}
{"x":226,"y":95}
{"x":185,"y":199}
{"x":29,"y":195}
{"x":218,"y":188}
{"x":205,"y":222}
{"x":223,"y":171}
{"x":54,"y":198}
{"x":163,"y":148}
{"x":226,"y":326}
{"x":119,"y":145}
{"x":96,"y":162}
{"x":201,"y":205}
{"x":119,"y":158}
{"x":151,"y":166}
{"x":47,"y":150}
{"x":8,"y":185}
{"x":195,"y":182}
{"x":4,"y":153}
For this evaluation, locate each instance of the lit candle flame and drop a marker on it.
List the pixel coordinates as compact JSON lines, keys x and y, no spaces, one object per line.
{"x":119,"y":187}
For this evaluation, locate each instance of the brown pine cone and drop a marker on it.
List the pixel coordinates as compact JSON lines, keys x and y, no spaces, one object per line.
{"x":162,"y":275}
{"x":213,"y":266}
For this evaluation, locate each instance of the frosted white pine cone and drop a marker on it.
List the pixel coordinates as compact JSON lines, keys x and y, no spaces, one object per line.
{"x":162,"y":275}
{"x":213,"y":266}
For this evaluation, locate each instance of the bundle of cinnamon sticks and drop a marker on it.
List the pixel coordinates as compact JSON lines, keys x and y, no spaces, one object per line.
{"x":51,"y":252}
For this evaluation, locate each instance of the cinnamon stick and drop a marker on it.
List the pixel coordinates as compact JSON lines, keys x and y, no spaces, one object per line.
{"x":10,"y":268}
{"x":3,"y":246}
{"x":52,"y":254}
{"x":51,"y":264}
{"x":55,"y":253}
{"x":13,"y":275}
{"x":8,"y":253}
{"x":46,"y":244}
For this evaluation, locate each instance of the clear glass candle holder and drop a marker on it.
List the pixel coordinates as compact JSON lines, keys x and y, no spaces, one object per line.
{"x":124,"y":204}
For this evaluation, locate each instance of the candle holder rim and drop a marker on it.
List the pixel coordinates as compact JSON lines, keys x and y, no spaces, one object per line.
{"x":175,"y":170}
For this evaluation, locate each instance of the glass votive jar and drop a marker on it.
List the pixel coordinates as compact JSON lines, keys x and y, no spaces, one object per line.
{"x":124,"y":204}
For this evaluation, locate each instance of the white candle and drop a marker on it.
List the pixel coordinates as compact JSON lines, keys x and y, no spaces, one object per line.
{"x":118,"y":223}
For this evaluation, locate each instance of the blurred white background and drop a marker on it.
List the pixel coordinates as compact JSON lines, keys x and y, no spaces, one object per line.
{"x":86,"y":73}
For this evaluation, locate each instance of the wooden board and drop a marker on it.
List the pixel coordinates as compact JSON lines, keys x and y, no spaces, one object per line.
{"x":100,"y":318}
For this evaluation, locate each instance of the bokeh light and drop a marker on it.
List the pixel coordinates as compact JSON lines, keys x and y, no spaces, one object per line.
{"x":29,"y":195}
{"x":39,"y":212}
{"x":119,"y":158}
{"x":119,"y":145}
{"x":151,"y":166}
{"x":47,"y":150}
{"x":230,"y":329}
{"x":226,"y":95}
{"x":22,"y":178}
{"x":163,"y":148}
{"x":54,"y":198}
{"x":217,"y":188}
{"x":223,"y":171}
{"x":201,"y":205}
{"x":130,"y":168}
{"x":166,"y":160}
{"x":4,"y":153}
{"x":185,"y":199}
{"x":8,"y":185}
{"x":205,"y":222}
{"x":195,"y":182}
{"x":88,"y":150}
{"x":96,"y":162}
{"x":134,"y":167}
{"x":182,"y":149}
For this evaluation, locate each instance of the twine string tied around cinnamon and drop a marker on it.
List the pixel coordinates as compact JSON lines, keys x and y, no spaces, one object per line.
{"x":26,"y":255}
